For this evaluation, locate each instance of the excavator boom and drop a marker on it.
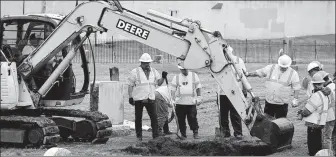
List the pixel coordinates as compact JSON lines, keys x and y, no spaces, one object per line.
{"x":194,"y":46}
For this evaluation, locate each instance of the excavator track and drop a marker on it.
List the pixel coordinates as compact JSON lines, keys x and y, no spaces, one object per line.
{"x":95,"y":128}
{"x":34,"y":131}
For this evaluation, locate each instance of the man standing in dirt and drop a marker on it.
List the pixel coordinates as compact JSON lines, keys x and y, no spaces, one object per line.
{"x":281,"y":78}
{"x":315,"y":114}
{"x":141,"y":90}
{"x":226,"y":106}
{"x":185,"y":85}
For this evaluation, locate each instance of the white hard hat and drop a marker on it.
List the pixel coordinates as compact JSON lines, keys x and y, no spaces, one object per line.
{"x":180,"y":67}
{"x":325,"y":152}
{"x":284,"y":61}
{"x":145,"y":58}
{"x":311,"y":66}
{"x":319,"y":64}
{"x":317,"y":78}
{"x":55,"y":151}
{"x":323,"y":74}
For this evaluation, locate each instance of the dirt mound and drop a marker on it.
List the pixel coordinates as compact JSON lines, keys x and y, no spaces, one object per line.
{"x":166,"y":146}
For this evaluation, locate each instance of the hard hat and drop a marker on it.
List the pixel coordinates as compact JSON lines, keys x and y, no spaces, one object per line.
{"x":145,"y":58}
{"x":323,"y":74}
{"x":317,"y":78}
{"x":319,"y":64}
{"x":311,"y":66}
{"x":284,"y":61}
{"x":180,"y":67}
{"x":325,"y":152}
{"x":55,"y":151}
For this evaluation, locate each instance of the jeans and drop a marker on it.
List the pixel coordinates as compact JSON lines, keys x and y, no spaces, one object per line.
{"x":226,"y":107}
{"x":189,"y":111}
{"x":275,"y":110}
{"x":327,"y":134}
{"x":314,"y":140}
{"x":151,"y":110}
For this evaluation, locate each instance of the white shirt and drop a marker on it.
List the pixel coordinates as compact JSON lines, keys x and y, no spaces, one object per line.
{"x":163,"y":90}
{"x":186,"y":89}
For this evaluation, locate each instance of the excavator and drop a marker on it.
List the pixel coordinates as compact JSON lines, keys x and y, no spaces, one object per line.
{"x":37,"y":115}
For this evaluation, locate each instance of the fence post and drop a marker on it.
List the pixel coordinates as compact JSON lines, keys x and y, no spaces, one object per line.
{"x":269,"y":51}
{"x":245,"y":50}
{"x":315,"y":51}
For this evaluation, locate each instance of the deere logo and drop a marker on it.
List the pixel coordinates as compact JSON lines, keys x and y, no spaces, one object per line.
{"x":135,"y":30}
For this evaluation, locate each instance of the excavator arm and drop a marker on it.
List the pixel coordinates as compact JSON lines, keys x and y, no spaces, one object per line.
{"x":194,"y":46}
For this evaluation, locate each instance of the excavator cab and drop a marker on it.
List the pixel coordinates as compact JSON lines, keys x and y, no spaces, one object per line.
{"x":21,"y":35}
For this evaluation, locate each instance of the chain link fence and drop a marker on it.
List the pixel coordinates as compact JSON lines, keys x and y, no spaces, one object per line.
{"x":251,"y":51}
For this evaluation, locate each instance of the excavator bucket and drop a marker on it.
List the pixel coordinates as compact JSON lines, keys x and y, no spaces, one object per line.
{"x":277,"y":133}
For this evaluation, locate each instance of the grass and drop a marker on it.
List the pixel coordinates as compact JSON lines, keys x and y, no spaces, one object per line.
{"x":207,"y":113}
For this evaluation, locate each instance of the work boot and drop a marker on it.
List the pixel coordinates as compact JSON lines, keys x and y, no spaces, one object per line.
{"x":168,"y":133}
{"x":196,"y":134}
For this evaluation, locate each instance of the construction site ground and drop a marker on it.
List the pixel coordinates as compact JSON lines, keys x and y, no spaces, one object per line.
{"x":207,"y":114}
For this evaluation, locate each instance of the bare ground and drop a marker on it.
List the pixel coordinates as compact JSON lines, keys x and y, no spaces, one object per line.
{"x":207,"y":115}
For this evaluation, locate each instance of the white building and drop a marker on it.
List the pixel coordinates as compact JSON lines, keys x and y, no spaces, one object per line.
{"x":234,"y":19}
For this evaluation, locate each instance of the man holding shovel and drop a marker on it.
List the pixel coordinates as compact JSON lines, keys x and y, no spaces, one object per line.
{"x":187,"y":87}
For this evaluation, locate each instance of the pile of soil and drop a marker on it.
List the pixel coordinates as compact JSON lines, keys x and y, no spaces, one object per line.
{"x":166,"y":146}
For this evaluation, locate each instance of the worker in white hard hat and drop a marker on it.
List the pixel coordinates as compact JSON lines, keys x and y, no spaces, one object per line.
{"x":142,"y":82}
{"x":315,"y":114}
{"x":226,"y":107}
{"x":330,"y":124}
{"x":186,"y":92}
{"x":312,"y":68}
{"x":281,"y":79}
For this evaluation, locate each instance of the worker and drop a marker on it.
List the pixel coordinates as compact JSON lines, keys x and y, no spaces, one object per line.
{"x":142,"y":82}
{"x":281,"y":78}
{"x":184,"y":86}
{"x":162,"y":103}
{"x":312,"y":68}
{"x":315,"y":113}
{"x":226,"y":106}
{"x":33,"y":43}
{"x":330,"y":124}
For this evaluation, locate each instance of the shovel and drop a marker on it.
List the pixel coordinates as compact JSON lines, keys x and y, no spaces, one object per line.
{"x":174,"y":113}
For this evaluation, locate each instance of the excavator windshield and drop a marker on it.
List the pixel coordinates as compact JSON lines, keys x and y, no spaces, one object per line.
{"x":20,"y":37}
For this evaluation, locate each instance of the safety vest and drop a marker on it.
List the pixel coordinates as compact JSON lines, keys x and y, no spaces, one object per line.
{"x":319,"y":103}
{"x":331,"y":107}
{"x":278,"y":90}
{"x":186,"y":96}
{"x":144,"y":88}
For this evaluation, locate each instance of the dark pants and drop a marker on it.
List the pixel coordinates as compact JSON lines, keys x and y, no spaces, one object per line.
{"x":189,"y":111}
{"x":166,"y":127}
{"x":226,"y":107}
{"x":276,"y":111}
{"x":151,"y":110}
{"x":314,"y":140}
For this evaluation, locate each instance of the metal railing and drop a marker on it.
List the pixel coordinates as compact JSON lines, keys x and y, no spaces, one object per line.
{"x":251,"y":51}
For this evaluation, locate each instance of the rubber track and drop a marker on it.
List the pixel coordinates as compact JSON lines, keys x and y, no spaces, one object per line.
{"x":50,"y":130}
{"x":103,"y":124}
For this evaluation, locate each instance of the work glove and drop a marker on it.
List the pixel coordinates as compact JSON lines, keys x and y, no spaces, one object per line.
{"x":198,"y":100}
{"x":326,"y":91}
{"x":131,"y":101}
{"x":295,"y":102}
{"x":164,"y":74}
{"x":299,"y":114}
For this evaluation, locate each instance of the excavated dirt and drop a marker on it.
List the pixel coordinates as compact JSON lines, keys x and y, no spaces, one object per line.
{"x":166,"y":146}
